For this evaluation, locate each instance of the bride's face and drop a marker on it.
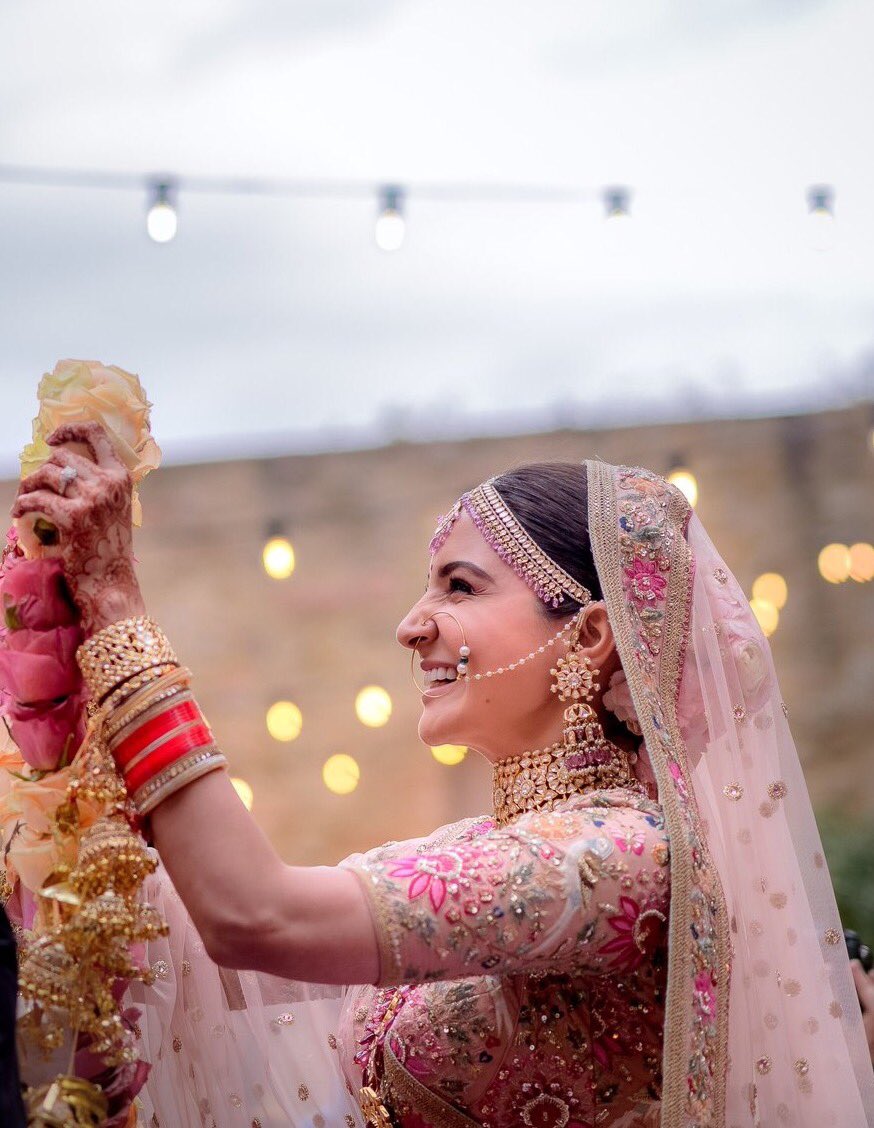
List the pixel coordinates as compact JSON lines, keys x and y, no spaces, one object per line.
{"x":503,"y":620}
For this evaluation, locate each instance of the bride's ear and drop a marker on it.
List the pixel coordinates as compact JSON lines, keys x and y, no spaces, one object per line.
{"x":596,"y":636}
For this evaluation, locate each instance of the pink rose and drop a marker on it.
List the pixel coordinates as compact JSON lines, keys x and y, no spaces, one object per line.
{"x":34,"y":594}
{"x":48,"y":736}
{"x":617,"y":698}
{"x":40,"y":666}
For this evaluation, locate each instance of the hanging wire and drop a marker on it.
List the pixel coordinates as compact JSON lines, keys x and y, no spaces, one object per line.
{"x":300,"y":187}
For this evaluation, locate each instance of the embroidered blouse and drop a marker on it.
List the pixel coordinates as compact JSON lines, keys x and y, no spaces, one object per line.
{"x":522,"y":970}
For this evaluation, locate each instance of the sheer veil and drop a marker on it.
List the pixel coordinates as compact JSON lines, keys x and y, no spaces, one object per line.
{"x":762,"y":1023}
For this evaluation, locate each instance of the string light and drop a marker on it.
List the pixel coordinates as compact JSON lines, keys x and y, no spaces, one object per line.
{"x":686,"y":483}
{"x":772,"y":588}
{"x":861,"y":562}
{"x":284,"y":721}
{"x":834,"y":563}
{"x":373,"y":706}
{"x":767,"y":615}
{"x":277,"y":555}
{"x":244,"y":790}
{"x":161,"y":220}
{"x":449,"y":754}
{"x":340,"y":774}
{"x":617,"y":203}
{"x":821,"y":216}
{"x":390,"y":224}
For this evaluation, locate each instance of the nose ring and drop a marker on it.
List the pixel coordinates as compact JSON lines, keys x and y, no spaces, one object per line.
{"x":463,"y":652}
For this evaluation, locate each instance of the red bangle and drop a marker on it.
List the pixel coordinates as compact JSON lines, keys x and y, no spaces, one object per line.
{"x":143,"y":736}
{"x":165,"y":754}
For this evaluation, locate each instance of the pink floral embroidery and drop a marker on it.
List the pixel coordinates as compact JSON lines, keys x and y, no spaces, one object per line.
{"x":705,"y":994}
{"x":627,"y":954}
{"x":430,"y":873}
{"x":646,"y":584}
{"x":674,"y":769}
{"x":629,"y":841}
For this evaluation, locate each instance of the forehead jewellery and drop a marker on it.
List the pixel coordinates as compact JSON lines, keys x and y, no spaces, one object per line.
{"x":502,"y":530}
{"x":464,"y":654}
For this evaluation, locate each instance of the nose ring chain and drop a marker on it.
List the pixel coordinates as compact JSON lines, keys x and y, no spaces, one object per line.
{"x":464,"y":654}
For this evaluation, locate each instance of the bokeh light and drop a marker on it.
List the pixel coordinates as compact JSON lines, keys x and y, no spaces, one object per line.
{"x":373,"y":706}
{"x":772,"y":588}
{"x":244,"y":790}
{"x":449,"y":753}
{"x":861,"y":562}
{"x":284,"y":720}
{"x":686,"y":483}
{"x":278,"y":558}
{"x":340,"y":773}
{"x":767,"y":615}
{"x":834,"y":563}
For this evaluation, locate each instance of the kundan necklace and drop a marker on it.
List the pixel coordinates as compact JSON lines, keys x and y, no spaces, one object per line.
{"x":538,"y":780}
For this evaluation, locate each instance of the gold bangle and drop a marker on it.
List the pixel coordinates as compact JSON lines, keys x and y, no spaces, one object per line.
{"x":177,"y":776}
{"x":119,"y":652}
{"x":126,"y":690}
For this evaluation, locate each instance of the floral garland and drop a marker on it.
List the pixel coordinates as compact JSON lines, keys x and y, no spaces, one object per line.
{"x":73,"y":861}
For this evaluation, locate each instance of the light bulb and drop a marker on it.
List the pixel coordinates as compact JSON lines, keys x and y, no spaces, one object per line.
{"x":278,"y":558}
{"x":767,"y":615}
{"x":771,"y":587}
{"x":340,"y":774}
{"x":617,"y":204}
{"x":162,"y":221}
{"x":390,"y":225}
{"x":284,"y":721}
{"x":244,"y":790}
{"x":686,"y":483}
{"x":373,"y":706}
{"x":834,"y":563}
{"x":821,"y":216}
{"x":449,"y":753}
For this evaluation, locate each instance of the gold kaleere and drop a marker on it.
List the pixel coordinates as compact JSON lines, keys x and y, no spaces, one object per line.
{"x":94,"y":915}
{"x":65,"y":1102}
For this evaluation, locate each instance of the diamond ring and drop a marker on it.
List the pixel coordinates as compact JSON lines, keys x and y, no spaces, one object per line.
{"x":68,"y":474}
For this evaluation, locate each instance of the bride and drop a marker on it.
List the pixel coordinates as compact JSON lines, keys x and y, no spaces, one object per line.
{"x":641,"y":932}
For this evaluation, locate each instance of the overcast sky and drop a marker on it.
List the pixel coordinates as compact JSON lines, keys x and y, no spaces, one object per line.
{"x":273,"y":323}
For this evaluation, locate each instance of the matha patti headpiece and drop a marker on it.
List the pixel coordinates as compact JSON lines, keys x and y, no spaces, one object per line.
{"x":501,"y":529}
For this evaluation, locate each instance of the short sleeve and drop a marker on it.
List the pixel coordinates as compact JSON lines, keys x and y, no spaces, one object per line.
{"x":553,"y":891}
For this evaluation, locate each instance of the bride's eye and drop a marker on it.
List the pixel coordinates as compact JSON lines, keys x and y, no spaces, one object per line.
{"x":463,"y":585}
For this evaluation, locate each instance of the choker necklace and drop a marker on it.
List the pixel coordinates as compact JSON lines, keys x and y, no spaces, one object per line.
{"x":536,"y":781}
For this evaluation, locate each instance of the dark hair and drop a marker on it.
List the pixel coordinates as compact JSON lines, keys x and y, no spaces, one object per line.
{"x":551,"y":502}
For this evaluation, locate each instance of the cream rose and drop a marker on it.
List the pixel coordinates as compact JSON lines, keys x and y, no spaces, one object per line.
{"x":27,"y":809}
{"x":85,"y":391}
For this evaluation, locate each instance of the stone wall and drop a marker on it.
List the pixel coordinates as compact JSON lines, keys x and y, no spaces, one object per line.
{"x":773,"y":492}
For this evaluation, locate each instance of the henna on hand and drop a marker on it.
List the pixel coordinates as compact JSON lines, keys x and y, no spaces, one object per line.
{"x":93,"y":516}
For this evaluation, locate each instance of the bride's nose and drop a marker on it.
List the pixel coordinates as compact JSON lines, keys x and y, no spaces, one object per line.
{"x":415,"y":628}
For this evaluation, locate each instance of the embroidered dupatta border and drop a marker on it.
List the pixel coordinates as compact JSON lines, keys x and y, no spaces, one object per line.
{"x":401,"y":1084}
{"x":695,"y":1054}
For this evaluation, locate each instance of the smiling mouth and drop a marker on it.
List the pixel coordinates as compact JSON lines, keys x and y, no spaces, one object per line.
{"x":440,"y":675}
{"x":439,"y":682}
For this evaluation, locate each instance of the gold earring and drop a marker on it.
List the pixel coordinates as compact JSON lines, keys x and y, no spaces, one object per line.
{"x":591,"y":760}
{"x":574,"y":676}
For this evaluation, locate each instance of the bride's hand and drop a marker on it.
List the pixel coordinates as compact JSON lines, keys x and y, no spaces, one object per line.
{"x":91,"y":509}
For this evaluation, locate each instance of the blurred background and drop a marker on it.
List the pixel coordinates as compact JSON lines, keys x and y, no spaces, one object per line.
{"x":365,"y":255}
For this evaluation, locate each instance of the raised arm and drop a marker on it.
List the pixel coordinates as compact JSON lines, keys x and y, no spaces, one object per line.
{"x":251,"y":909}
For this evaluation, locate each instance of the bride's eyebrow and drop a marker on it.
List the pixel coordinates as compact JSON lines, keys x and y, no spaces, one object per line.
{"x":453,"y":564}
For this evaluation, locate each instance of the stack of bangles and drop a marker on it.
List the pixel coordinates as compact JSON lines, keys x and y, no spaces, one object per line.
{"x":151,"y":724}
